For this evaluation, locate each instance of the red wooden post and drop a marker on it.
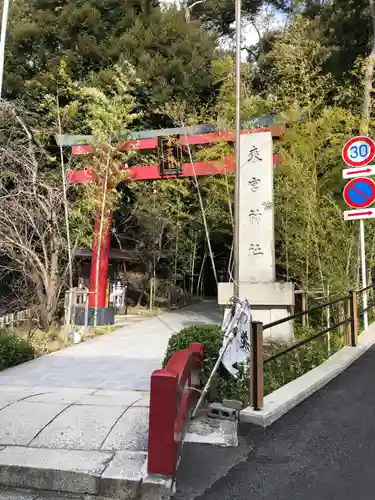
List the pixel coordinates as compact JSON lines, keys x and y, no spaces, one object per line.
{"x":163,"y":410}
{"x":173,"y":396}
{"x":104,"y":245}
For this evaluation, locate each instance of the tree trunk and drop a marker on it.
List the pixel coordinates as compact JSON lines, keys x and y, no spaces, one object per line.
{"x":369,"y":75}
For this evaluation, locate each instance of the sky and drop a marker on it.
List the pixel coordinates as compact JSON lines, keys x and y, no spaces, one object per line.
{"x":268,"y":18}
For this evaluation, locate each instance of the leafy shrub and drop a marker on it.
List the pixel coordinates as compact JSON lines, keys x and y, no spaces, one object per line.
{"x":276,"y":373}
{"x":14,"y":350}
{"x":223,"y":385}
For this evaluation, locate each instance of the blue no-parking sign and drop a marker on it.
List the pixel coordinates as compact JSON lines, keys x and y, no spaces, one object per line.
{"x":360,"y":193}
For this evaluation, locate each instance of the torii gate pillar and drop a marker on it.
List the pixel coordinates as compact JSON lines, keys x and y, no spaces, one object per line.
{"x":103,"y":244}
{"x":270,"y":301}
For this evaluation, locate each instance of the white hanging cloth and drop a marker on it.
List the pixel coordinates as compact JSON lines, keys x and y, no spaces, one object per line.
{"x":236,"y":341}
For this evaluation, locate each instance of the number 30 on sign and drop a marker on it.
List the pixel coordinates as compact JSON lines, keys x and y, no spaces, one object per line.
{"x":359,"y":151}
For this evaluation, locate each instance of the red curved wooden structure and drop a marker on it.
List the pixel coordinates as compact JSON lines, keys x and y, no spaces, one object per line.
{"x":174,"y":392}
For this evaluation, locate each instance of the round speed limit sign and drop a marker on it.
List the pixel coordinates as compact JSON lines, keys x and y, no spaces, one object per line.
{"x":359,"y":151}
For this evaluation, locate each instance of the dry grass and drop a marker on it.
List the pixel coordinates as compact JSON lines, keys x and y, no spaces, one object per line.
{"x":145,"y":311}
{"x":56,"y":338}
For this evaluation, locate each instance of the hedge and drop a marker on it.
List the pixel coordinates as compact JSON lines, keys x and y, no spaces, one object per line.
{"x":276,"y":373}
{"x":14,"y":350}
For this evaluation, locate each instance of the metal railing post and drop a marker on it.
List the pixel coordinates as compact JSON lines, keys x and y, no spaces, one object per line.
{"x":353,"y":318}
{"x":256,"y":366}
{"x":348,"y":326}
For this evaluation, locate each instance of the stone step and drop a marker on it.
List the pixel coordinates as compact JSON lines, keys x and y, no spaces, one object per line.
{"x":119,"y":475}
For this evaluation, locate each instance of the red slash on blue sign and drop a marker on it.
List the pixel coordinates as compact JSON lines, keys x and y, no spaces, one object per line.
{"x":360,"y":192}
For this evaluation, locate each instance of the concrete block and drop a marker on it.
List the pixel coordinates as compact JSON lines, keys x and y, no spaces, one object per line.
{"x":269,"y":302}
{"x":52,"y":470}
{"x":280,"y":333}
{"x":130,"y":432}
{"x":105,"y":316}
{"x":233,"y":403}
{"x":122,"y":478}
{"x":156,"y":488}
{"x":217,"y":410}
{"x":79,"y":428}
{"x":259,"y":294}
{"x":21,"y":422}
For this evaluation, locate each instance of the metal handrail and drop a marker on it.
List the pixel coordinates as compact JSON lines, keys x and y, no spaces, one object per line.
{"x":257,"y":354}
{"x":304,"y":313}
{"x":367,"y":288}
{"x":306,"y":341}
{"x":362,"y":311}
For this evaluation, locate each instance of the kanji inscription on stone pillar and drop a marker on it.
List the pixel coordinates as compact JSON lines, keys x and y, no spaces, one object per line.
{"x":257,"y":240}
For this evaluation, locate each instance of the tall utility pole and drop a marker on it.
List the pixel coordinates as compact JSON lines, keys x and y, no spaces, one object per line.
{"x":4,"y":25}
{"x":236,"y":229}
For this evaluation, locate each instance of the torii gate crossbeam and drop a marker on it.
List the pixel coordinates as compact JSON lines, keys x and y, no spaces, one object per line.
{"x":80,"y":147}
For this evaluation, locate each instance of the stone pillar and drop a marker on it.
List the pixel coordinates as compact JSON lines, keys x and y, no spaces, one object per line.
{"x":257,"y":271}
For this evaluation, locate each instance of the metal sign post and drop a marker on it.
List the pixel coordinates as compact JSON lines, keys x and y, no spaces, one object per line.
{"x":359,"y":193}
{"x":236,"y":232}
{"x":363,"y":265}
{"x":4,"y":25}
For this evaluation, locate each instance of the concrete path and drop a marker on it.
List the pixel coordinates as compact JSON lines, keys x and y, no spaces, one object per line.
{"x":324,"y":449}
{"x":83,"y":411}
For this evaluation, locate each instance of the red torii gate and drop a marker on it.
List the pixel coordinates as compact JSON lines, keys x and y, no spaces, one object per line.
{"x":150,"y":172}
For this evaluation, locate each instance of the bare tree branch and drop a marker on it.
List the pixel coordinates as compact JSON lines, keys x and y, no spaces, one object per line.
{"x":32,"y":225}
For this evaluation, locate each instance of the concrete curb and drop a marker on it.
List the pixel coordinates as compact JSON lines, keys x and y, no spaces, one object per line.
{"x":120,"y":474}
{"x":290,"y":395}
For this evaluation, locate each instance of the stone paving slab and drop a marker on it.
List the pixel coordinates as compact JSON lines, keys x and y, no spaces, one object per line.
{"x":121,"y":360}
{"x":97,"y":397}
{"x":110,"y":420}
{"x":122,"y":478}
{"x":81,"y":406}
{"x":79,"y":474}
{"x":130,"y":432}
{"x":8,"y":397}
{"x":22,"y":421}
{"x":78,"y":428}
{"x":17,"y":495}
{"x":53,"y":470}
{"x":119,"y":401}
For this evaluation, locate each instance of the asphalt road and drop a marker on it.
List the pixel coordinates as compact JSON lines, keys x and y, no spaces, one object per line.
{"x":324,"y":449}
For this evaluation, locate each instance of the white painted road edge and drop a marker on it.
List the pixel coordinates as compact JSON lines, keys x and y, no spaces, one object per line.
{"x":290,"y":395}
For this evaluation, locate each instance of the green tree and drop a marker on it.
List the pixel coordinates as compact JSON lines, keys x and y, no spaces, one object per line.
{"x":172,"y":57}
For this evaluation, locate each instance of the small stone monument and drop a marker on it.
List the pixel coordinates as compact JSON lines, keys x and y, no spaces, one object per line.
{"x":269,"y":300}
